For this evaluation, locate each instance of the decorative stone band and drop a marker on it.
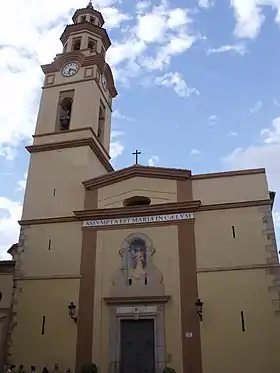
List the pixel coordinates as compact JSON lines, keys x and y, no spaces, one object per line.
{"x":139,"y":220}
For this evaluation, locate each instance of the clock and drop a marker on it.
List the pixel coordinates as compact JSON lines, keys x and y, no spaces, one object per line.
{"x":70,"y":69}
{"x":104,"y":82}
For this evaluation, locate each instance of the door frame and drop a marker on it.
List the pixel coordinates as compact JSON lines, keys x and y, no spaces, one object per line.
{"x":136,"y":312}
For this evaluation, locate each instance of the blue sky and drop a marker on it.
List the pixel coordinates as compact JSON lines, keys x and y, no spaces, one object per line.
{"x":197,"y":80}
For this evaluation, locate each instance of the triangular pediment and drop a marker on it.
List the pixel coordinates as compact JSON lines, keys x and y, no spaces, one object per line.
{"x":137,"y":171}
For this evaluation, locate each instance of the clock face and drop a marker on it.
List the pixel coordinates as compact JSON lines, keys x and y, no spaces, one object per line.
{"x":104,"y":82}
{"x":70,"y":69}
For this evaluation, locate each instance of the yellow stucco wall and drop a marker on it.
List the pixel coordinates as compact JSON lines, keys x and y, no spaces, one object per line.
{"x":49,"y":298}
{"x":64,"y":256}
{"x":230,"y":189}
{"x":224,"y":346}
{"x":159,"y":191}
{"x":6,"y":288}
{"x":62,"y":170}
{"x":108,"y":261}
{"x":215,"y":245}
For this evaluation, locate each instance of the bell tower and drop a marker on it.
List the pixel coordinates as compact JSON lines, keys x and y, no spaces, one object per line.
{"x":72,"y":136}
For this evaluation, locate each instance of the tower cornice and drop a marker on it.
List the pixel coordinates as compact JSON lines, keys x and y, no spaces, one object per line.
{"x":86,"y":26}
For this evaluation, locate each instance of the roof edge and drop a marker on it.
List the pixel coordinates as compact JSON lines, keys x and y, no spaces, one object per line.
{"x":137,"y":170}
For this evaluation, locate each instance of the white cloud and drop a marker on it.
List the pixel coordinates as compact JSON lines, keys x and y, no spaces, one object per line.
{"x":233,"y":134}
{"x":176,"y":81}
{"x":264,"y":154}
{"x":275,"y":102}
{"x":166,"y":28}
{"x":142,"y":5}
{"x":272,"y":135}
{"x":10,"y":213}
{"x":151,"y":28}
{"x":116,"y":147}
{"x":206,"y":3}
{"x":153,"y":160}
{"x":257,"y":107}
{"x":195,"y":152}
{"x":276,"y":216}
{"x":249,"y":16}
{"x":212,"y":119}
{"x":21,"y":184}
{"x":114,"y":17}
{"x":235,"y":48}
{"x":116,"y":114}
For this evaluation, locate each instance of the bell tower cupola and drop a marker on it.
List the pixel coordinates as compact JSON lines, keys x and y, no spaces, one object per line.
{"x":86,"y":33}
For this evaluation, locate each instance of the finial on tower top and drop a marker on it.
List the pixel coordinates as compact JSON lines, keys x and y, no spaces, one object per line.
{"x":90,"y":5}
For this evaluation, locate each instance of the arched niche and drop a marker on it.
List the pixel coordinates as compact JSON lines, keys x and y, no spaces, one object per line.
{"x":65,"y":113}
{"x":137,"y":274}
{"x":64,"y":110}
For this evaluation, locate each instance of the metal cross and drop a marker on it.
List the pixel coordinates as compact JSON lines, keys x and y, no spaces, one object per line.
{"x":136,"y":153}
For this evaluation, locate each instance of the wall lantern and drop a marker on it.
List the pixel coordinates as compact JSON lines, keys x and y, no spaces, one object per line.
{"x":72,"y":311}
{"x":199,"y":308}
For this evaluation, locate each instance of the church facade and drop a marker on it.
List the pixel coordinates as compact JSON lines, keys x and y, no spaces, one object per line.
{"x":136,"y":269}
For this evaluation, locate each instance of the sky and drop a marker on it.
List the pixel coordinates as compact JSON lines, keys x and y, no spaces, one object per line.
{"x":198,"y":84}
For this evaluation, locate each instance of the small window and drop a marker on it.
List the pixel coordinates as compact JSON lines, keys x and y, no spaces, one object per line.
{"x":92,"y":44}
{"x":1,"y":295}
{"x":83,"y":19}
{"x":137,"y":201}
{"x":92,"y":19}
{"x":76,"y":46}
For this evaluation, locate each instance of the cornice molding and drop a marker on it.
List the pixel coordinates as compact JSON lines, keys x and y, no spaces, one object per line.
{"x":234,"y":205}
{"x":214,"y":175}
{"x":114,"y":213}
{"x":137,"y":299}
{"x":238,"y":268}
{"x":91,"y":142}
{"x":164,"y":208}
{"x":74,"y":130}
{"x":137,"y":171}
{"x":61,"y":219}
{"x":7,"y":267}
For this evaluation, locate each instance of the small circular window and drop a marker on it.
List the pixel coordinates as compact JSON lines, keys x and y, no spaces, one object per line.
{"x":137,"y":201}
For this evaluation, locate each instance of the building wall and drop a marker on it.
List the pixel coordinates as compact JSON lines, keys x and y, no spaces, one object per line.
{"x":45,"y":298}
{"x":224,"y":345}
{"x":62,"y":170}
{"x":228,"y":188}
{"x":233,"y":276}
{"x":158,"y":190}
{"x":52,"y":250}
{"x":49,"y":280}
{"x":6,"y":289}
{"x":108,"y":261}
{"x":215,"y":244}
